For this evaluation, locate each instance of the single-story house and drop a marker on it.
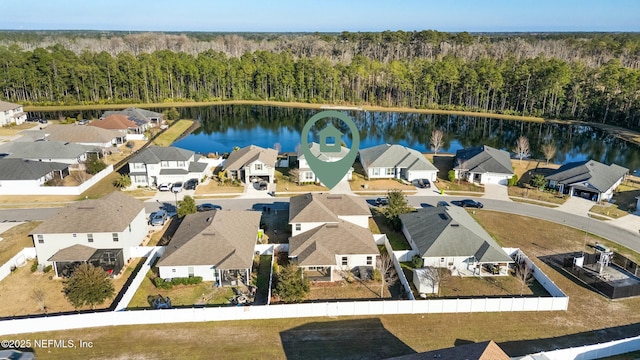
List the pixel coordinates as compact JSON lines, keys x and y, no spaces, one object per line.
{"x":155,"y":165}
{"x":448,"y":237}
{"x":217,"y":245}
{"x":139,"y":116}
{"x":109,"y":227}
{"x":11,"y":113}
{"x":251,"y":163}
{"x":484,"y":165}
{"x":49,"y":151}
{"x":306,"y":174}
{"x":309,"y":211}
{"x":333,"y":247}
{"x":82,"y":134}
{"x":395,"y":161}
{"x":26,"y":174}
{"x":588,"y":179}
{"x":121,"y":123}
{"x":486,"y":350}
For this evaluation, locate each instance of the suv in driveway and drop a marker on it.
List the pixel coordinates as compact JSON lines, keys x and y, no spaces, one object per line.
{"x":158,"y":218}
{"x":190,"y":184}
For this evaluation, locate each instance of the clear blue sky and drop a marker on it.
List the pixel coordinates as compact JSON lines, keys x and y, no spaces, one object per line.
{"x":322,"y":15}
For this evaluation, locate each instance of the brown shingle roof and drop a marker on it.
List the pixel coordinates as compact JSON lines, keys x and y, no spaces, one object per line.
{"x":75,"y":252}
{"x":319,"y":246}
{"x":112,"y":213}
{"x":241,"y":157}
{"x":114,"y":122}
{"x":325,"y":207}
{"x":487,"y":350}
{"x":222,"y":238}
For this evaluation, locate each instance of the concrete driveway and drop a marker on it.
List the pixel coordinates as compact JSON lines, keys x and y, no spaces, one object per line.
{"x":342,"y":188}
{"x":496,"y":192}
{"x":576,"y":205}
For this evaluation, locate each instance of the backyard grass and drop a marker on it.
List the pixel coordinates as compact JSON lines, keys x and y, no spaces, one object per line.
{"x":101,"y":188}
{"x":16,"y":292}
{"x":284,"y":185}
{"x":343,"y":290}
{"x":12,"y":130}
{"x":123,"y":152}
{"x":173,"y":132}
{"x":16,"y":239}
{"x":378,"y":224}
{"x":535,"y":194}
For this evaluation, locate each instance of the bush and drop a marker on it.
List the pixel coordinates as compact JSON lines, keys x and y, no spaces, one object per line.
{"x":451,"y":175}
{"x":161,"y":284}
{"x":376,"y":276}
{"x":513,"y":181}
{"x":34,"y":266}
{"x":47,"y":268}
{"x":416,"y":261}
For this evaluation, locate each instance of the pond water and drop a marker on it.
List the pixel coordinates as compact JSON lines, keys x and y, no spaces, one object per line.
{"x":224,"y":127}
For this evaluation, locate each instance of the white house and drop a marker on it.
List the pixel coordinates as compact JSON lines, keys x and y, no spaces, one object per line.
{"x":309,"y":211}
{"x":484,"y":165}
{"x":307,"y":175}
{"x":588,"y":179}
{"x":216,"y":245}
{"x":81,"y":134}
{"x":11,"y":113}
{"x":395,"y":161}
{"x":156,"y":165}
{"x":98,"y":231}
{"x":251,"y":163}
{"x":448,"y":237}
{"x":20,"y":174}
{"x":49,"y":151}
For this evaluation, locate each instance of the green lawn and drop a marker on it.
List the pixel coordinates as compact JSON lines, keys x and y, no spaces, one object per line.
{"x":16,"y":239}
{"x":172,"y":133}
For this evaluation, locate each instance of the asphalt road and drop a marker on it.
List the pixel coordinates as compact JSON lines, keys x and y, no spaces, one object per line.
{"x":600,"y":228}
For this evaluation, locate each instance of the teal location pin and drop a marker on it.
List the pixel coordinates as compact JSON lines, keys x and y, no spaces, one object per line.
{"x":330,"y":173}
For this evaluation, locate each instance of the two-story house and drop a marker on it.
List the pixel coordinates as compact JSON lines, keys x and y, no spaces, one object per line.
{"x":251,"y":163}
{"x":11,"y":113}
{"x":330,"y":233}
{"x":100,"y":232}
{"x":306,"y":175}
{"x":156,"y":165}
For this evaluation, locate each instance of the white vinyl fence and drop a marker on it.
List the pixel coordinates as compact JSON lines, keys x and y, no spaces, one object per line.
{"x":151,"y":253}
{"x":590,"y":352}
{"x":20,"y":259}
{"x":57,"y":190}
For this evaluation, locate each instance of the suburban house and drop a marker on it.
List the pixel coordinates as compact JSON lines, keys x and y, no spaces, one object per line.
{"x":448,"y":237}
{"x":309,"y":211}
{"x":131,"y":130}
{"x":217,"y":245}
{"x":484,"y":165}
{"x":11,"y":113}
{"x":139,"y":116}
{"x":20,"y":174}
{"x":307,"y":175}
{"x":99,"y":231}
{"x":486,"y":350}
{"x":330,"y":233}
{"x":156,"y":165}
{"x":588,"y":179}
{"x":251,"y":163}
{"x":395,"y":161}
{"x":49,"y":151}
{"x":79,"y":134}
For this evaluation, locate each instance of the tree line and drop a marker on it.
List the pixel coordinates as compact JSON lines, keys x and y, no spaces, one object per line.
{"x":541,"y":86}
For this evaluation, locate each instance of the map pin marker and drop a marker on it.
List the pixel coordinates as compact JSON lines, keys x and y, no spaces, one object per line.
{"x":330,"y":173}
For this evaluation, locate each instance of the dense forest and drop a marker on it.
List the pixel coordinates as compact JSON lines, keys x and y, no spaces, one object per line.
{"x":592,"y":77}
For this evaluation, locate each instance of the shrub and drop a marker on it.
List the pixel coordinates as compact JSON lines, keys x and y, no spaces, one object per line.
{"x":376,"y":276}
{"x":161,"y":284}
{"x":47,"y":268}
{"x":451,"y":175}
{"x":34,"y":266}
{"x":416,"y":261}
{"x":513,"y":181}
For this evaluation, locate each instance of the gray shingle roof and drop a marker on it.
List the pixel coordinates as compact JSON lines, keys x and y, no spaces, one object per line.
{"x":248,"y":154}
{"x":314,"y":148}
{"x":325,"y":207}
{"x":395,"y":156}
{"x":75,"y":252}
{"x":80,"y":134}
{"x":46,"y":150}
{"x":484,"y":159}
{"x":112,"y":213}
{"x":319,"y":246}
{"x":451,"y":231}
{"x":602,"y":177}
{"x":222,"y":238}
{"x":19,"y":169}
{"x":4,"y":106}
{"x":155,"y":154}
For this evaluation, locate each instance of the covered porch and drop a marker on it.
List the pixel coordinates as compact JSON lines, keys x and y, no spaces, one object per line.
{"x":66,"y":260}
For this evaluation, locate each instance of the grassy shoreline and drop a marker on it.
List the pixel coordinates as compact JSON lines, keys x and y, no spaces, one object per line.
{"x":622,"y":133}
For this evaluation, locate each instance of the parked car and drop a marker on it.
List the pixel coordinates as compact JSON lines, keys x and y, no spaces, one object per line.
{"x":43,"y":121}
{"x":11,"y":354}
{"x":83,"y":122}
{"x":442,"y":203}
{"x":165,"y":187}
{"x":33,"y":119}
{"x":207,"y":207}
{"x":468,"y":203}
{"x":422,"y":183}
{"x":158,"y":218}
{"x":177,"y":187}
{"x":382,"y":201}
{"x":190,"y":184}
{"x":263,"y":185}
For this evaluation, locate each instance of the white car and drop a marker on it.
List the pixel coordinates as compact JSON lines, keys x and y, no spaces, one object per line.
{"x":165,"y":187}
{"x":177,"y":187}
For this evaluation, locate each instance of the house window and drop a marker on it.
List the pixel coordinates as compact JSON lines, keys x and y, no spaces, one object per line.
{"x":90,"y":237}
{"x":345,"y":261}
{"x":41,"y":239}
{"x":140,"y":179}
{"x":115,"y":237}
{"x":442,"y":260}
{"x":138,"y":166}
{"x":390,"y":172}
{"x":164,"y":164}
{"x":180,"y":163}
{"x":190,"y":271}
{"x":298,"y":227}
{"x":173,"y":270}
{"x":375,"y":171}
{"x":308,"y":175}
{"x":258,"y":167}
{"x":369,"y":260}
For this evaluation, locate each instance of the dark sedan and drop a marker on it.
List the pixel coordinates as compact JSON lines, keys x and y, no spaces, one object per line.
{"x":468,"y":203}
{"x":208,"y":207}
{"x":191,"y":184}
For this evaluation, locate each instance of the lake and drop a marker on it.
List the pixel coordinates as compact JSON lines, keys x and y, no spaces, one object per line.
{"x":225,"y":126}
